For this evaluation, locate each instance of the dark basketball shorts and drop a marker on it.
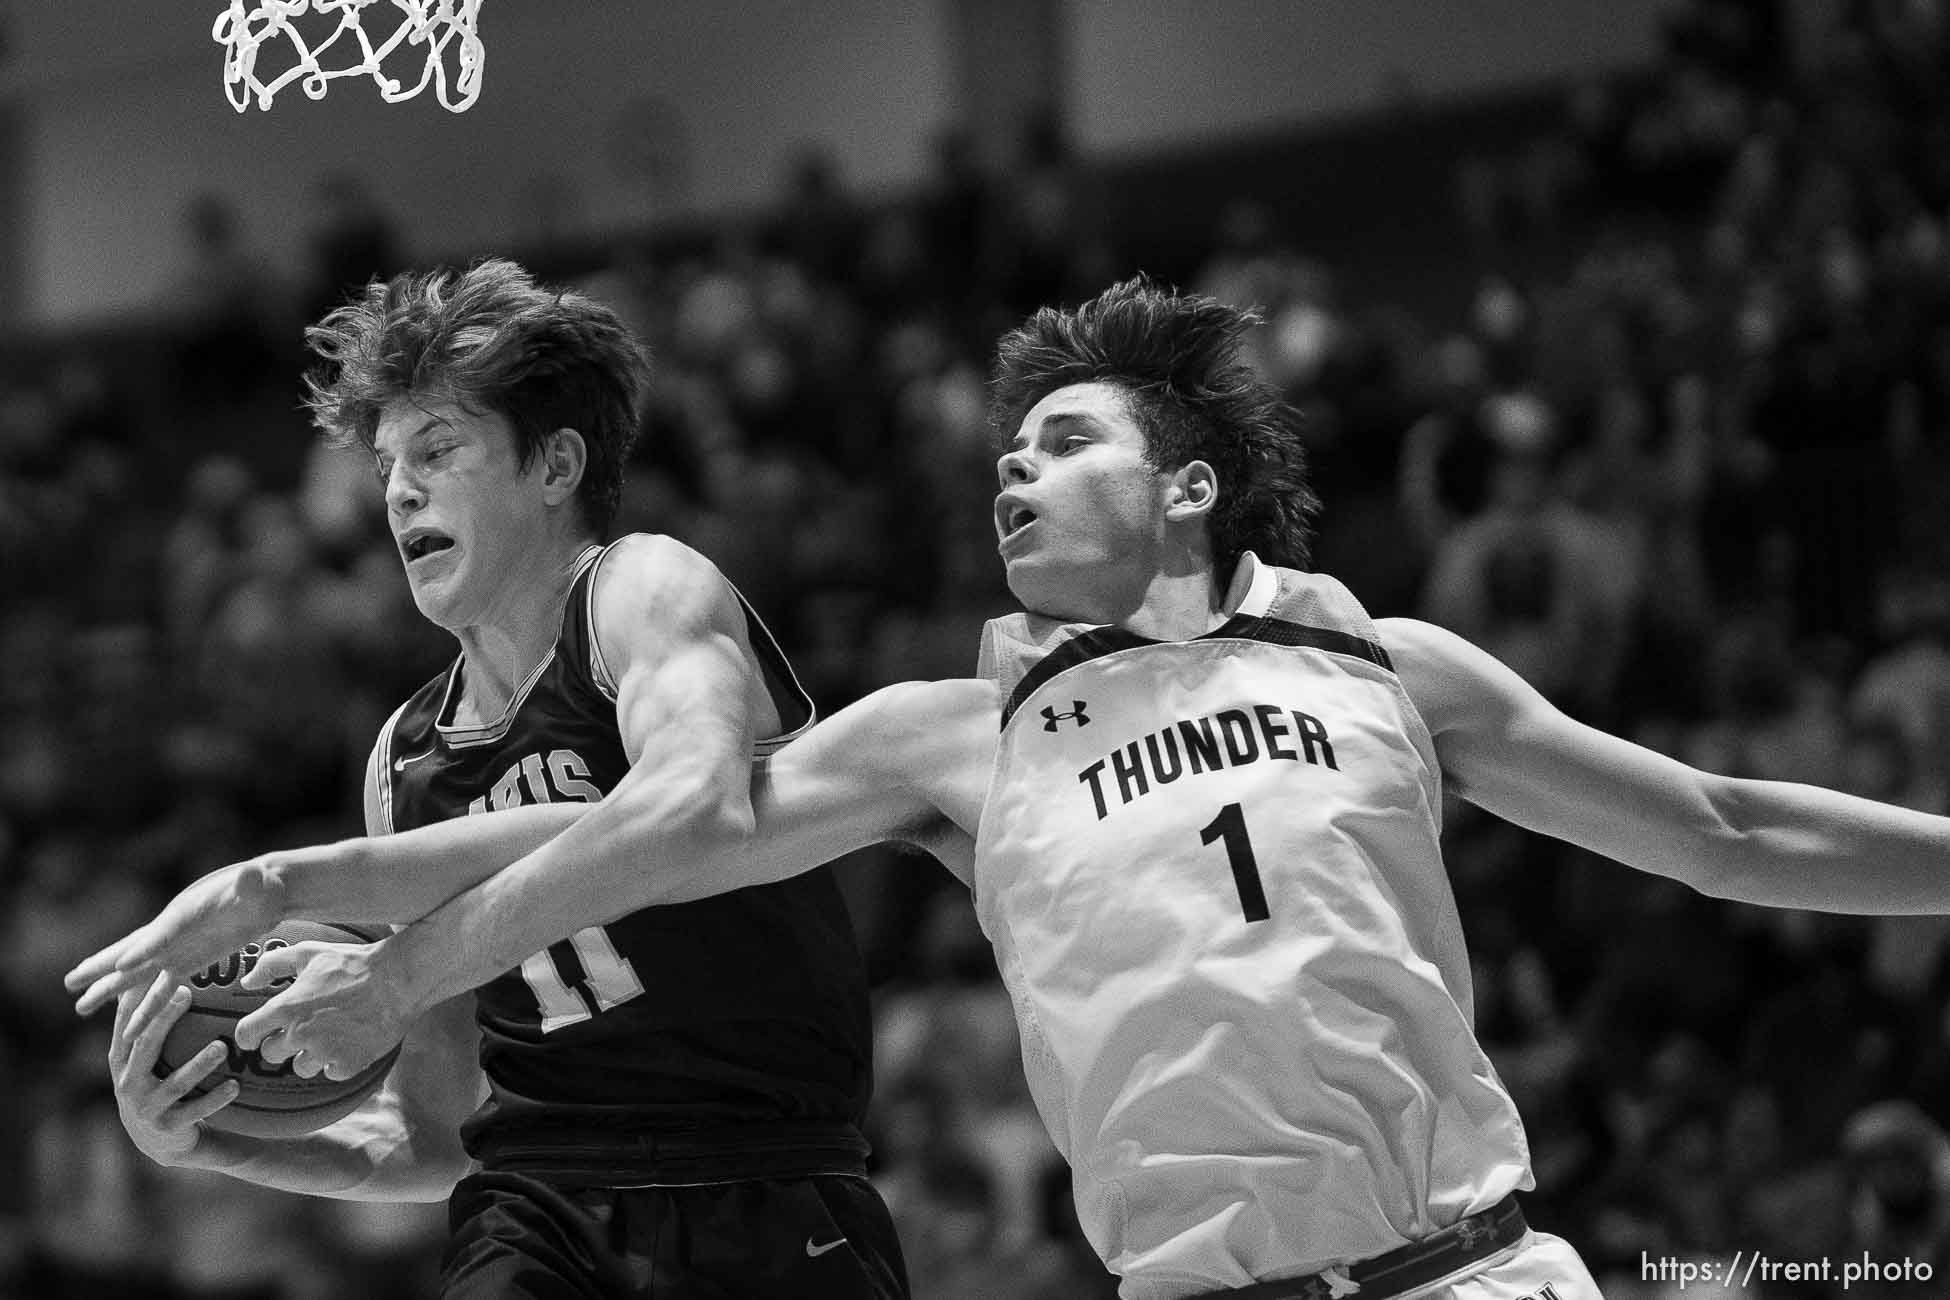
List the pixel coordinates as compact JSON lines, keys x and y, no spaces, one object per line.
{"x":513,"y":1237}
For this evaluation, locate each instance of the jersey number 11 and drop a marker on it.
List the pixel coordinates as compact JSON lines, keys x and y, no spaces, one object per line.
{"x":608,"y":979}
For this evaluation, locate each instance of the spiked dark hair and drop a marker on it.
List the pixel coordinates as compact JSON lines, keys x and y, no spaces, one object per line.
{"x":1177,"y":357}
{"x":488,"y":339}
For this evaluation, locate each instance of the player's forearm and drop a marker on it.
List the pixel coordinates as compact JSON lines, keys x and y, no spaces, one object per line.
{"x":625,"y":856}
{"x":401,"y":877}
{"x":402,"y":1144}
{"x":655,"y":842}
{"x":1802,"y":846}
{"x":371,"y":1155}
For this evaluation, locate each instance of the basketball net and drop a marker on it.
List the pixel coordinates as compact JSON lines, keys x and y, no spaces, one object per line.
{"x":435,"y":24}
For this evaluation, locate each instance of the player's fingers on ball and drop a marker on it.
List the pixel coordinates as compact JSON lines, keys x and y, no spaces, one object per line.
{"x":159,"y":989}
{"x":335,"y":1068}
{"x":134,"y":1011}
{"x":278,"y":964}
{"x":152,"y":1025}
{"x":154,"y":989}
{"x":269,"y":1038}
{"x":150,"y":1092}
{"x":263,"y":1030}
{"x":186,"y":1077}
{"x":118,"y":1047}
{"x":198,"y":1109}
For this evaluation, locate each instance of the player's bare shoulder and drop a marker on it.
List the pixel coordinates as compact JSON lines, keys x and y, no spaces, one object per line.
{"x":1442,"y":673}
{"x":652,"y":591}
{"x":642,"y":570}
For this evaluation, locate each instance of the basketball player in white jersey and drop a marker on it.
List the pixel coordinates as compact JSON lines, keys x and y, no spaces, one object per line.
{"x":1196,"y":796}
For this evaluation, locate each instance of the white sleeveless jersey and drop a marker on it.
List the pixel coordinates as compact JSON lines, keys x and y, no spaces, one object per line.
{"x":1211,"y":874}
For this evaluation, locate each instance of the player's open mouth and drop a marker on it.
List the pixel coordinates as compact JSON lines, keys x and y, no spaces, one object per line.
{"x":417,"y":546}
{"x":1015,"y":520}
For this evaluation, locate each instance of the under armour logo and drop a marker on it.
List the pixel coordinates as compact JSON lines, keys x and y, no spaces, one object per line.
{"x":1051,"y":717}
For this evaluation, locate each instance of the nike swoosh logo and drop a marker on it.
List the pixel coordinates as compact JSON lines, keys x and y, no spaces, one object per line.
{"x":399,"y":764}
{"x":814,"y":1252}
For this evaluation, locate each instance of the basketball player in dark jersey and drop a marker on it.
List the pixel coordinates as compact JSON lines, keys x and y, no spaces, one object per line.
{"x":667,"y":1104}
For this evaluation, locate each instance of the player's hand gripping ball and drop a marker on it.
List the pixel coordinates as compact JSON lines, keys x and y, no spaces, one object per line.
{"x":272,"y":1100}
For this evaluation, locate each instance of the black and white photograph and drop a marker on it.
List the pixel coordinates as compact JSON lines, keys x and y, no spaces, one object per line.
{"x":975,"y":649}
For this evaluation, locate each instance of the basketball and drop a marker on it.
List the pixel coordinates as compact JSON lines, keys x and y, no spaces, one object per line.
{"x":272,"y":1100}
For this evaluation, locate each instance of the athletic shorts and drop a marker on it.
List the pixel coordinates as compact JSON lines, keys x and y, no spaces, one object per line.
{"x":513,"y":1237}
{"x":1538,"y":1267}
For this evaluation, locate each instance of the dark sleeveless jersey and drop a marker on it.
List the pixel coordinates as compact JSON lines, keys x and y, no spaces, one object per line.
{"x":728,"y":1018}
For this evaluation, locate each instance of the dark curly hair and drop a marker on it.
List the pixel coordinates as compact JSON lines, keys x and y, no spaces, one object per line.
{"x":1177,"y":356}
{"x":488,"y":339}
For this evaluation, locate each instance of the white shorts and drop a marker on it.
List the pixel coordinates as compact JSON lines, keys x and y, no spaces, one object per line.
{"x":1537,"y":1266}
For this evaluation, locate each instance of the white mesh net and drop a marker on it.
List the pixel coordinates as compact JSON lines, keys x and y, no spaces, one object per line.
{"x":349,"y":50}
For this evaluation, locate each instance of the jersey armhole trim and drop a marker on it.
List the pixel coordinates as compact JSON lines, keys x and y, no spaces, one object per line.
{"x":379,"y":778}
{"x":766,"y":648}
{"x":599,"y":670}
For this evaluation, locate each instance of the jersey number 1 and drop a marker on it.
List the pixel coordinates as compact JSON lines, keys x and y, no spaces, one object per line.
{"x":1230,"y":826}
{"x":608,"y":979}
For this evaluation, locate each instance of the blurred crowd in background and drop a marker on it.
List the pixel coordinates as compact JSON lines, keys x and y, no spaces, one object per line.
{"x":1679,"y":453}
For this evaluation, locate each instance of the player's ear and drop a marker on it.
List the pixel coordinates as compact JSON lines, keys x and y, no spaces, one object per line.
{"x":1193,"y":491}
{"x":564,"y":456}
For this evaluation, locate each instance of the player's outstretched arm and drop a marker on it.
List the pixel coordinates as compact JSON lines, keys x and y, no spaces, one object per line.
{"x":378,"y":878}
{"x":403,"y":1144}
{"x":910,"y":762}
{"x":1505,"y":748}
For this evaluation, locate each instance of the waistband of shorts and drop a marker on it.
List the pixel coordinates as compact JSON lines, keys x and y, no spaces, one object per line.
{"x":608,"y":1156}
{"x":1468,"y":1240}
